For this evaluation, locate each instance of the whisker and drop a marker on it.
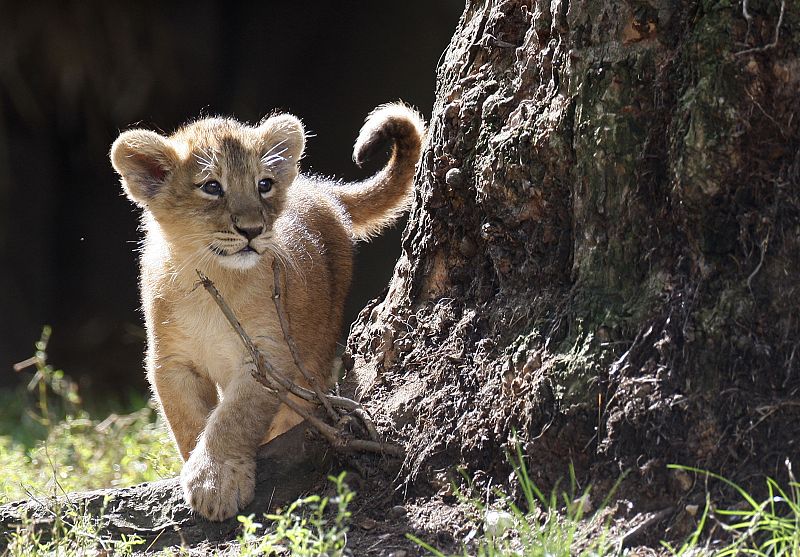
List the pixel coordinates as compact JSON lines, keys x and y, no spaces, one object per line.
{"x":272,"y":149}
{"x":271,"y":157}
{"x":208,"y":160}
{"x":287,"y":260}
{"x":197,"y":259}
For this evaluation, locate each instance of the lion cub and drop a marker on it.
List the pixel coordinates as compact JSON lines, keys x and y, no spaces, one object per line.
{"x":227,"y":199}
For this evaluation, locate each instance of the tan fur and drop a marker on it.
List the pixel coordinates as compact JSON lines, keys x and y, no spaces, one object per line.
{"x":200,"y":373}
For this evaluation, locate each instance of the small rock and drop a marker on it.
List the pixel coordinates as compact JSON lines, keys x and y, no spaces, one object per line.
{"x":497,"y":522}
{"x":468,"y":538}
{"x":692,"y":509}
{"x":398,"y":511}
{"x":683,"y":479}
{"x":534,"y":363}
{"x":644,"y":390}
{"x":454,"y":178}
{"x":584,"y":503}
{"x":367,"y":523}
{"x":399,"y":553}
{"x":451,"y":110}
{"x":467,"y":247}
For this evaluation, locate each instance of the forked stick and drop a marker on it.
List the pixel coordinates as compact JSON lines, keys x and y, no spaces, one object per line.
{"x":269,"y":377}
{"x":327,"y":400}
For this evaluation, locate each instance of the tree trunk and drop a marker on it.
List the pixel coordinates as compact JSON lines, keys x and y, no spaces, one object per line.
{"x":603,"y":252}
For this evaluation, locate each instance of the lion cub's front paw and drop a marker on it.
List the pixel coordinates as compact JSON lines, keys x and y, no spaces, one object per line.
{"x":217,"y":488}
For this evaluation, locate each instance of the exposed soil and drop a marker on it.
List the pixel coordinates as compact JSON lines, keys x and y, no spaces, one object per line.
{"x":383,"y":516}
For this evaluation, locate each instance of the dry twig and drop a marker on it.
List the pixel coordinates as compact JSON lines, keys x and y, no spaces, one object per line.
{"x":276,"y":297}
{"x":327,"y":400}
{"x":272,"y":379}
{"x":749,"y":17}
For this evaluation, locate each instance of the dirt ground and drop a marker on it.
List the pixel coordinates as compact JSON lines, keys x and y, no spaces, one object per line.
{"x":385,"y":511}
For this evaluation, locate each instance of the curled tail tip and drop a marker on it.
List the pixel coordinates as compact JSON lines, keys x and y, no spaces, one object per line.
{"x":389,"y":123}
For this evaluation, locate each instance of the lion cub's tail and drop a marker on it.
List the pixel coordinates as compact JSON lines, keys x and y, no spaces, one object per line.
{"x":377,"y":201}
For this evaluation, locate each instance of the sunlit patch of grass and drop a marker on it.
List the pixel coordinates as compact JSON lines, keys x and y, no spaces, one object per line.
{"x":80,"y":453}
{"x":50,"y":444}
{"x":311,"y":526}
{"x":561,"y":524}
{"x":762,"y":528}
{"x":73,"y":532}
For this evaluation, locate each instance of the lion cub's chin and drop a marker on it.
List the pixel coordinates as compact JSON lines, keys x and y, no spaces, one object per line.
{"x":240,"y":261}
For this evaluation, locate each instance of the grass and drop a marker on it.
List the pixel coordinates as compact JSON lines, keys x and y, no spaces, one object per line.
{"x":307,"y":528}
{"x":50,"y":444}
{"x":542,"y":526}
{"x":766,"y":528}
{"x":74,"y":532}
{"x":558,"y":525}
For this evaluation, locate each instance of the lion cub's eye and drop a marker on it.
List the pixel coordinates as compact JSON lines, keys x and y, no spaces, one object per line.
{"x":212,"y":187}
{"x":265,"y":185}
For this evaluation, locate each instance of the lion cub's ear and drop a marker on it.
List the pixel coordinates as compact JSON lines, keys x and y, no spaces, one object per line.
{"x":144,"y":160}
{"x":283,"y":135}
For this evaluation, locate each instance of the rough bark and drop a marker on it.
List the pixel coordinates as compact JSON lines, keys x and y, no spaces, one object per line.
{"x":604,"y":248}
{"x":290,"y":465}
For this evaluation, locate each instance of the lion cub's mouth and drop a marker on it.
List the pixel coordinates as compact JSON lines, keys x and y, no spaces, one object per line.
{"x":223,"y":253}
{"x":240,"y":260}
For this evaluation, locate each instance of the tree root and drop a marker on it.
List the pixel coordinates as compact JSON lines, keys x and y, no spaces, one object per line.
{"x":288,"y":466}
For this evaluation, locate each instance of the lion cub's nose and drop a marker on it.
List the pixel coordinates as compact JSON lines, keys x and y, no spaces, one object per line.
{"x":249,"y":232}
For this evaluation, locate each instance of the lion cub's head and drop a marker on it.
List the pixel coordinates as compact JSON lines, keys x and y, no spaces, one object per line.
{"x":215,"y":187}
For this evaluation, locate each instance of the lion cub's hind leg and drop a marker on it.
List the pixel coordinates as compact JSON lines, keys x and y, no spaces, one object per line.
{"x":285,"y":419}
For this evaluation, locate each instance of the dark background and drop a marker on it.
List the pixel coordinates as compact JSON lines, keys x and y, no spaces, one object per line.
{"x":73,"y":74}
